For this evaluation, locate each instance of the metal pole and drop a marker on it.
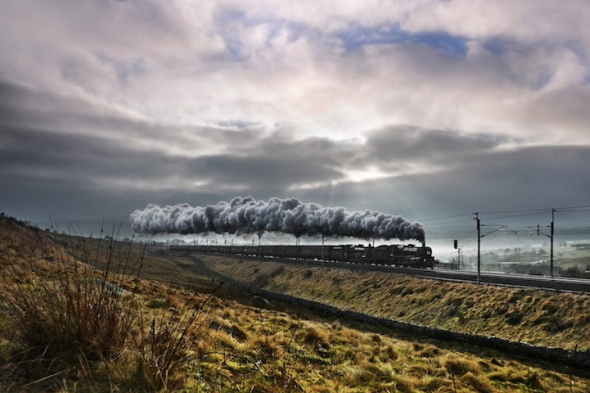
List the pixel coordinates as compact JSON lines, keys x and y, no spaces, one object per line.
{"x":478,"y":248}
{"x":552,"y":233}
{"x":322,"y":249}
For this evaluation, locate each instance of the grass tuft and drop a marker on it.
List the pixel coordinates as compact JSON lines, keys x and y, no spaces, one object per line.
{"x":65,"y":316}
{"x":71,"y":313}
{"x":459,"y":367}
{"x":477,"y":383}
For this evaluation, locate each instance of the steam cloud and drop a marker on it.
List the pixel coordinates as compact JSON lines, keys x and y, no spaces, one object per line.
{"x":249,"y":216}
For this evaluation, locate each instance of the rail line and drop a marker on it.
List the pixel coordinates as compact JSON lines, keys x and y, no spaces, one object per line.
{"x":489,"y":278}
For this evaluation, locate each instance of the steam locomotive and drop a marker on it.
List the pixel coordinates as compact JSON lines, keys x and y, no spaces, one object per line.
{"x":398,"y":255}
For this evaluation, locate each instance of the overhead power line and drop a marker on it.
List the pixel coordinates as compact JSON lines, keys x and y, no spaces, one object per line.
{"x":516,"y":215}
{"x":449,"y":223}
{"x":527,"y":211}
{"x":572,"y":207}
{"x":447,"y":217}
{"x":517,"y":211}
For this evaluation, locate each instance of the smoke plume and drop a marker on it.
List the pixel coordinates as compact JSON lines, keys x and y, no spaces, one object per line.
{"x":249,"y":216}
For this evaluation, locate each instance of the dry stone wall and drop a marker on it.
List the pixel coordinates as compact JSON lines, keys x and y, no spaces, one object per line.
{"x":571,"y":358}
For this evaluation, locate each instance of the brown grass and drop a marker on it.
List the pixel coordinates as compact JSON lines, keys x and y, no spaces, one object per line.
{"x":62,"y":314}
{"x":535,"y":316}
{"x":231,"y":346}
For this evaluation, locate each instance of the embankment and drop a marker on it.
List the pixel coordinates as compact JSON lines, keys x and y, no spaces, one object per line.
{"x":540,"y":324}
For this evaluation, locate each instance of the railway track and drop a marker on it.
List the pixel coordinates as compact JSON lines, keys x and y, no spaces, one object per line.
{"x":490,"y":278}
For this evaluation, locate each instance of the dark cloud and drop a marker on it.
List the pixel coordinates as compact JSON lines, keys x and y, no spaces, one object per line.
{"x":35,"y":153}
{"x":257,"y":170}
{"x":68,"y":158}
{"x":527,"y":178}
{"x":402,"y":144}
{"x":94,"y":160}
{"x":48,"y":158}
{"x":22,"y":107}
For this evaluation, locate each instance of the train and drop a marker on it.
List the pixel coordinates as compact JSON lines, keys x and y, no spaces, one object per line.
{"x":398,"y":255}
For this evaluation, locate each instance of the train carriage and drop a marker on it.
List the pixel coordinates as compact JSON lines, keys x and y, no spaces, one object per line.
{"x":312,"y":252}
{"x":398,"y":255}
{"x":338,"y":253}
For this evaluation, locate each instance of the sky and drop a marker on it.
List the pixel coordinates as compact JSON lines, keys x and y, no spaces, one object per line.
{"x":419,"y":108}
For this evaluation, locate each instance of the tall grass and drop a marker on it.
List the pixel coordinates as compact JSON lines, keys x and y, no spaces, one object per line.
{"x":167,"y":343}
{"x":75,"y":309}
{"x":88,"y":310}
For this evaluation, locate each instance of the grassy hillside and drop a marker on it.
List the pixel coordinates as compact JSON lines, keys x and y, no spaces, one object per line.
{"x":58,"y":297}
{"x":538,"y":317}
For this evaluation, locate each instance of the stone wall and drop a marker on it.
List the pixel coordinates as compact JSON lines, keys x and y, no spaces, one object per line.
{"x":572,"y":358}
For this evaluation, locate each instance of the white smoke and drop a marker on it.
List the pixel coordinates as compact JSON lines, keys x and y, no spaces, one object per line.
{"x":249,"y":216}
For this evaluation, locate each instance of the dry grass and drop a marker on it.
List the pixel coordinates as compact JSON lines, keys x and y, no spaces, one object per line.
{"x":535,"y":316}
{"x":71,"y":311}
{"x":62,"y":317}
{"x":220,"y":344}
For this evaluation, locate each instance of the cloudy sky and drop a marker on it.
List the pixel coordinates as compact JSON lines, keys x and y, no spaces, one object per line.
{"x":419,"y":108}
